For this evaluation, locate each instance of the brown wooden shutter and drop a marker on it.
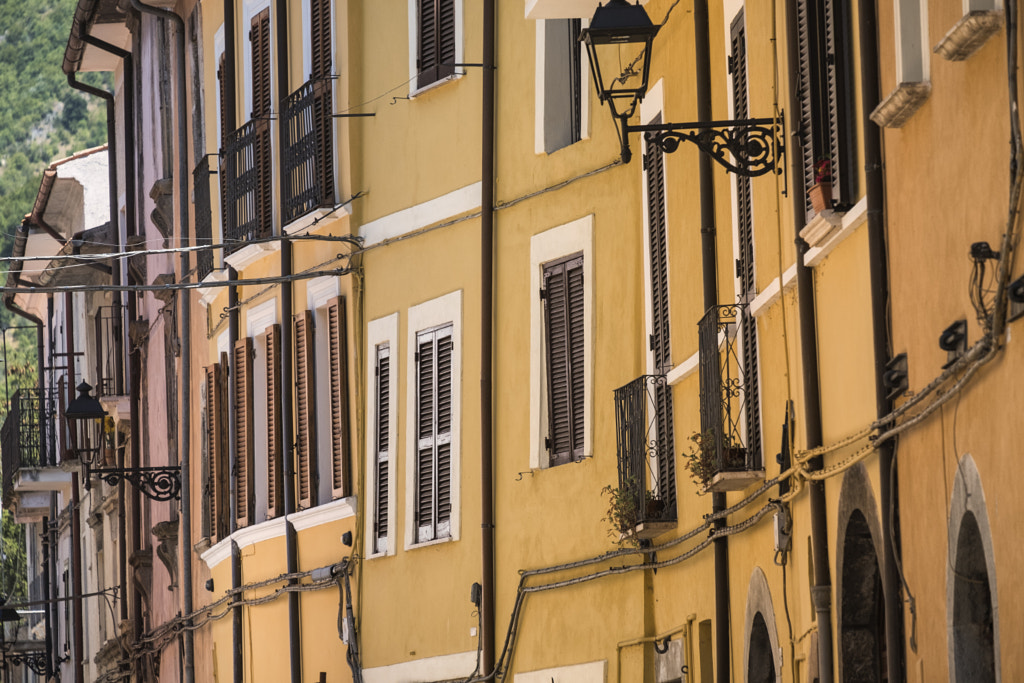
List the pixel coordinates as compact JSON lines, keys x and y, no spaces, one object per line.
{"x":275,"y":462}
{"x":564,"y":326}
{"x":747,"y":273}
{"x":811,"y":120}
{"x":382,"y":403}
{"x":259,"y":39}
{"x":661,"y":337}
{"x":337,"y":350}
{"x":436,"y":40}
{"x":443,"y":431}
{"x":323,"y":105}
{"x":839,"y":82}
{"x":216,"y":450}
{"x":305,"y":410}
{"x":242,"y":387}
{"x":225,"y":125}
{"x":320,"y":38}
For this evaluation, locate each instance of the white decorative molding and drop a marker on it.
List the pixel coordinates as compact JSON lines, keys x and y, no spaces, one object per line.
{"x":335,"y":511}
{"x":208,"y":294}
{"x":250,"y":535}
{"x":770,"y":294}
{"x":969,"y":34}
{"x":440,"y":668}
{"x":591,"y":672}
{"x":449,"y":205}
{"x":260,"y":317}
{"x":902,"y":103}
{"x":251,"y":253}
{"x":314,"y":218}
{"x":320,"y":290}
{"x":690,"y":365}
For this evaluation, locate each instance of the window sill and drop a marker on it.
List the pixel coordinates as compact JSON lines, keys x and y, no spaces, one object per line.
{"x":902,"y":103}
{"x":426,"y":544}
{"x":734,"y":481}
{"x":413,"y":94}
{"x":969,"y":34}
{"x":250,"y":253}
{"x":821,"y":227}
{"x":208,"y":294}
{"x":314,"y":218}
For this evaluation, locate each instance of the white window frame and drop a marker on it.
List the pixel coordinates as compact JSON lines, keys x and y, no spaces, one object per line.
{"x":550,"y":245}
{"x":257,"y":320}
{"x":414,"y":48}
{"x":540,"y":89}
{"x":428,"y":315}
{"x":382,"y":331}
{"x":319,"y":292}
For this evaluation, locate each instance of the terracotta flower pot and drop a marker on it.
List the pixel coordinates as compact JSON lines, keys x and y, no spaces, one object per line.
{"x":821,"y":196}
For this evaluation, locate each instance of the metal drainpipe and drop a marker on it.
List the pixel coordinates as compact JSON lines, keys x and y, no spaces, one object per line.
{"x":129,"y":312}
{"x":76,"y":518}
{"x":291,"y":540}
{"x":185,"y":531}
{"x":288,"y":432}
{"x":709,"y":270}
{"x":486,"y":344}
{"x":878,"y":258}
{"x":236,"y":560}
{"x":821,"y":593}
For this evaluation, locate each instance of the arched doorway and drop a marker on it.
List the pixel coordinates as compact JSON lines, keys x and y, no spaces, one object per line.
{"x":862,"y":630}
{"x":760,"y":663}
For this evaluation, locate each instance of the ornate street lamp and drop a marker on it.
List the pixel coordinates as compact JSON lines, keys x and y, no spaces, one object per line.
{"x":87,"y":414}
{"x":619,"y":41}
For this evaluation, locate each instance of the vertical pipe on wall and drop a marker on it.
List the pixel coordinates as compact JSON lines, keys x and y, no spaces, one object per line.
{"x":822,"y":592}
{"x":709,"y":272}
{"x":486,"y":343}
{"x":76,"y":519}
{"x":878,"y":260}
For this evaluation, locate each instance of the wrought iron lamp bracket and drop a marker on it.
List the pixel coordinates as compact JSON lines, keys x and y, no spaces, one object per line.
{"x":38,"y":662}
{"x":746,"y":147}
{"x":156,"y":483}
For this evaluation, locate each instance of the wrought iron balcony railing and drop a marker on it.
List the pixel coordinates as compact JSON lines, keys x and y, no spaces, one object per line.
{"x":204,"y":217}
{"x":307,"y":163}
{"x":28,"y":437}
{"x":111,"y":368}
{"x":646,"y":457}
{"x":246,"y":184}
{"x":724,"y":393}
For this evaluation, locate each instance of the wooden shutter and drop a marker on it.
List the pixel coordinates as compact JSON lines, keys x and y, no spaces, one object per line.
{"x":436,"y":40}
{"x":323,"y":121}
{"x":320,"y":38}
{"x":382,"y":404}
{"x":337,"y":351}
{"x":275,"y":462}
{"x":242,"y":387}
{"x":839,"y":81}
{"x":433,"y":433}
{"x":216,"y":450}
{"x":222,"y":78}
{"x":259,"y":40}
{"x":563,"y":298}
{"x":305,"y":410}
{"x":661,"y":337}
{"x":746,"y":266}
{"x":575,"y":81}
{"x":810,"y":79}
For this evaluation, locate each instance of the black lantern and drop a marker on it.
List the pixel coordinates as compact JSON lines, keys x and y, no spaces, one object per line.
{"x":619,"y":42}
{"x":157,"y":483}
{"x":86,"y":413}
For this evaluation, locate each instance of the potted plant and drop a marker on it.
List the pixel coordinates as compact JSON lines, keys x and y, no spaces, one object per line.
{"x":622,"y":515}
{"x":109,"y":449}
{"x":821,"y":191}
{"x":702,"y":459}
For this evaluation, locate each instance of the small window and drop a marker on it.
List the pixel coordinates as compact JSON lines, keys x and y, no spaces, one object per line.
{"x":433,"y":506}
{"x":560,"y":87}
{"x":563,"y":296}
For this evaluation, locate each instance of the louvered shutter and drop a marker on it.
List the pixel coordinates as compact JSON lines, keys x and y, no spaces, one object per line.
{"x":259,"y":39}
{"x":747,"y":273}
{"x":337,"y":350}
{"x":243,"y":393}
{"x":654,"y":163}
{"x":382,"y":405}
{"x":225,"y":125}
{"x":323,"y":122}
{"x":305,"y":410}
{"x":216,"y":450}
{"x":564,"y":327}
{"x":839,"y":95}
{"x":275,"y":462}
{"x":433,"y":433}
{"x":575,"y":81}
{"x":436,"y":40}
{"x":811,"y":120}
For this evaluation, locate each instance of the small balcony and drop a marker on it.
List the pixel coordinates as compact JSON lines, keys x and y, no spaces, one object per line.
{"x":307,"y":160}
{"x":720,"y":459}
{"x":246,"y":185}
{"x":646,"y":457}
{"x":28,"y":441}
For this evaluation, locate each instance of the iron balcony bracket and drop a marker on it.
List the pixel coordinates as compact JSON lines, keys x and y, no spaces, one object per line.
{"x":38,"y":662}
{"x":746,"y":147}
{"x":156,"y":483}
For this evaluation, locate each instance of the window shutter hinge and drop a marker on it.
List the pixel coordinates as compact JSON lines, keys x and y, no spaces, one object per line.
{"x":739,"y":268}
{"x":732,"y":63}
{"x":547,"y":443}
{"x":650,"y":341}
{"x":543,"y":294}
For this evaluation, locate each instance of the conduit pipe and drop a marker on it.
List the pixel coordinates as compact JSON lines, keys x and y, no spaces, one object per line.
{"x":487,"y":621}
{"x":76,"y":504}
{"x":709,"y":272}
{"x":186,"y":331}
{"x":821,"y":593}
{"x":878,"y":261}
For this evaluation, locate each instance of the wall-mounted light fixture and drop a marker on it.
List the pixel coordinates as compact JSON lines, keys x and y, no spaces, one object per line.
{"x":619,"y":41}
{"x":87,"y":414}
